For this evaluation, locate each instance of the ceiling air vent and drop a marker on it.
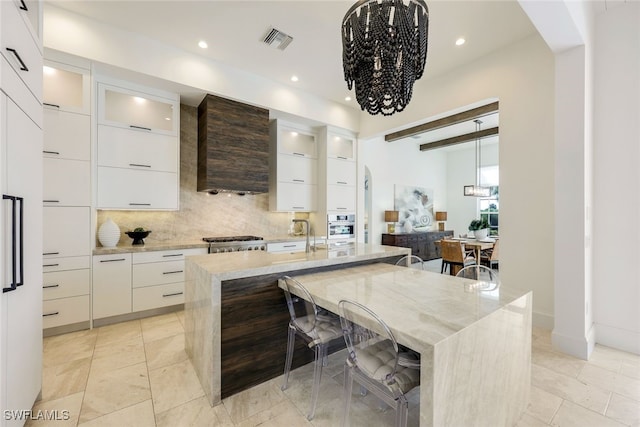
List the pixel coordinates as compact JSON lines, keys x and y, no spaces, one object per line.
{"x":277,"y":38}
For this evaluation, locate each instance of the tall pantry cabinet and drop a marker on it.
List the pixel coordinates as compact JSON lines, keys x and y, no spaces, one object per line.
{"x":21,"y":209}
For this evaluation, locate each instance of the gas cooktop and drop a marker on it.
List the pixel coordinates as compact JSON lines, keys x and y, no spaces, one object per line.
{"x":231,"y":239}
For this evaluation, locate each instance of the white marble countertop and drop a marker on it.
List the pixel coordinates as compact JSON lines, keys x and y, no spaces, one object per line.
{"x":234,"y":265}
{"x":147,"y":247}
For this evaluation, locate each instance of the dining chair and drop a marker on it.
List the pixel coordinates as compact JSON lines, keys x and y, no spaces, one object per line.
{"x":318,"y":328}
{"x":454,"y":256}
{"x":487,"y":279}
{"x":411,"y":261}
{"x":376,"y":361}
{"x":490,"y":257}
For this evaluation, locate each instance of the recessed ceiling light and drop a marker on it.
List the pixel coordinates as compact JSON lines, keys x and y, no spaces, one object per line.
{"x":203,"y":44}
{"x":294,"y":78}
{"x":347,"y":98}
{"x":460,"y":41}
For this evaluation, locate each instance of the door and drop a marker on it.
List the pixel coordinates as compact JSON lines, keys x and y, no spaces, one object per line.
{"x":21,"y":309}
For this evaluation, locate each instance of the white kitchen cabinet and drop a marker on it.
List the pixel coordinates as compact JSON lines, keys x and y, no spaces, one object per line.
{"x":66,"y":263}
{"x":137,"y":110}
{"x":111,"y":285}
{"x":124,"y":148}
{"x":66,"y":298}
{"x":341,"y":198}
{"x":158,"y":277}
{"x":341,"y":146}
{"x":64,"y":284}
{"x":66,"y":88}
{"x":341,"y":172}
{"x":21,"y":185}
{"x":66,"y":182}
{"x":66,"y":135}
{"x":136,"y":189}
{"x":65,"y":311}
{"x":293,"y":161}
{"x":66,"y":232}
{"x":291,"y":246}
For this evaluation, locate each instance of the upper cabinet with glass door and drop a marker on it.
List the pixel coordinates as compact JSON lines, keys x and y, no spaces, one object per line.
{"x":340,"y":146}
{"x":66,"y":88}
{"x":136,"y":110}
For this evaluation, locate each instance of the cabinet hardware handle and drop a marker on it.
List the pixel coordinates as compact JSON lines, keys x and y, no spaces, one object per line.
{"x":172,"y":295}
{"x":55,"y":313}
{"x":139,"y":204}
{"x":173,"y":272}
{"x":341,"y":208}
{"x":51,"y":253}
{"x":289,"y":246}
{"x":23,"y":66}
{"x":51,"y":201}
{"x":113,"y":260}
{"x":57,"y":153}
{"x":23,"y":6}
{"x":50,"y":265}
{"x":342,"y":158}
{"x":16,"y":269}
{"x":51,"y":105}
{"x":140,"y":166}
{"x":297,"y":207}
{"x":298,"y":180}
{"x":50,"y":286}
{"x":168,"y":255}
{"x":340,"y":182}
{"x":139,"y":127}
{"x":298,"y":154}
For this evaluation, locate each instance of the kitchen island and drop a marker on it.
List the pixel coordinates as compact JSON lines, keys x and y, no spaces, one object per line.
{"x":236,"y":316}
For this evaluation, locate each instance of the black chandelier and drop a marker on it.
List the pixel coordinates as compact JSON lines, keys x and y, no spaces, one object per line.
{"x":384,"y":50}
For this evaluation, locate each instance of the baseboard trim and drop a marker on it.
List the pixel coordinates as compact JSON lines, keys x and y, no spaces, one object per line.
{"x":542,"y":320}
{"x":578,"y":347}
{"x":617,"y":338}
{"x":136,"y":315}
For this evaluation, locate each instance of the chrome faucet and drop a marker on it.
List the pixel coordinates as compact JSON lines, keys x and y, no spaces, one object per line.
{"x":307,"y":248}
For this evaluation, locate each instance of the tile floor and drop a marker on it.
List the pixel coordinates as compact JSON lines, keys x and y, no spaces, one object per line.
{"x":137,"y":374}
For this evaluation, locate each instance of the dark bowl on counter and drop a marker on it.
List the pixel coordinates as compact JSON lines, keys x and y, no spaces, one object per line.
{"x":138,"y":236}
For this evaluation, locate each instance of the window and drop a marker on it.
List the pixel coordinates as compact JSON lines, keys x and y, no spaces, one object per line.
{"x":490,"y":206}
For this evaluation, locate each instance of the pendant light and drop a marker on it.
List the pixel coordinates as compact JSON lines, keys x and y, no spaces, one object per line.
{"x":477,"y":190}
{"x":384,"y":50}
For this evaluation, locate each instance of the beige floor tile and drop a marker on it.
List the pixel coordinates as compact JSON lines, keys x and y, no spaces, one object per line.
{"x":608,"y":380}
{"x":256,"y":399}
{"x":62,"y":349}
{"x":282,"y":414}
{"x":167,"y":327}
{"x":61,"y":340}
{"x":529,"y":421}
{"x":65,"y":411}
{"x":165,"y":351}
{"x":541,"y":338}
{"x":196,"y":413}
{"x":112,"y":334}
{"x":630,"y":370}
{"x":569,"y":388}
{"x":223,"y":415}
{"x":149,"y":322}
{"x":118,"y":355}
{"x":109,"y":392}
{"x":543,"y":405}
{"x":174,"y":385}
{"x":180,"y":316}
{"x":572,"y":415}
{"x":624,"y":410}
{"x":559,"y":362}
{"x":139,"y":415}
{"x":65,"y":379}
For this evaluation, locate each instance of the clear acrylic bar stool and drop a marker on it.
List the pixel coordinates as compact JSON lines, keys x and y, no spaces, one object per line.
{"x":317,"y":328}
{"x":411,"y":261}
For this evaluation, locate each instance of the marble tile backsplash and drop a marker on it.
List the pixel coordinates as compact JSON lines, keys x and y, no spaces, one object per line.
{"x":201,"y":214}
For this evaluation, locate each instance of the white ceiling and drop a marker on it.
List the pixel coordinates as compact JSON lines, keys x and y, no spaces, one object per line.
{"x":234,"y":31}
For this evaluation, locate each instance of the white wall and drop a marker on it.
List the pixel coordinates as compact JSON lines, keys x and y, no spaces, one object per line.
{"x":521,"y":76}
{"x":402,"y":164}
{"x":616,"y":211}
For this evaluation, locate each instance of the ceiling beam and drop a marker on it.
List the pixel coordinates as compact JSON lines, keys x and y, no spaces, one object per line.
{"x":484,"y":133}
{"x":445,"y":121}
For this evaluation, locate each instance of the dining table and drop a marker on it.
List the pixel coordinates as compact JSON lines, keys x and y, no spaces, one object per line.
{"x":476,"y":245}
{"x":474,"y":345}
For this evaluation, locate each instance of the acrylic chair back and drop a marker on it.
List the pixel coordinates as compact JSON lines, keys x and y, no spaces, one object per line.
{"x":301,"y":305}
{"x":486,"y":278}
{"x":411,"y":261}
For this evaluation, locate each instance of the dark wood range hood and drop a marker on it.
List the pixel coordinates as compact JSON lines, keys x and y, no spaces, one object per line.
{"x":233,"y":147}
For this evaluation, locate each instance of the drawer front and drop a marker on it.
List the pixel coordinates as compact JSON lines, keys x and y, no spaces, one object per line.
{"x":296,"y":197}
{"x":65,"y":311}
{"x":64,"y":284}
{"x":25,"y":57}
{"x":66,"y":182}
{"x":18,"y":91}
{"x":120,"y":188}
{"x":66,"y":232}
{"x":158,"y":273}
{"x":287,"y":246}
{"x":158,"y":296}
{"x":111,"y":285}
{"x":126,"y":148}
{"x":68,"y":263}
{"x":341,"y":198}
{"x":300,"y":170}
{"x":341,"y":172}
{"x":66,"y":135}
{"x":161,"y":256}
